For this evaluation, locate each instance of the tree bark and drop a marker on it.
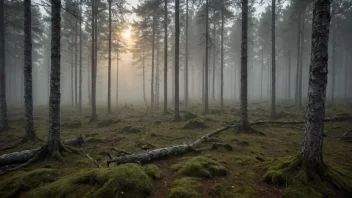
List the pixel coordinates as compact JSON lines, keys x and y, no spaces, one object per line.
{"x":206,"y":99}
{"x":289,"y":76}
{"x":76,"y":72}
{"x":299,"y":28}
{"x":28,"y":89}
{"x":109,"y":62}
{"x":214,"y":62}
{"x":80,"y":60}
{"x":333,"y":54}
{"x":186,"y":63}
{"x":153,"y":56}
{"x":117,"y":76}
{"x":222,"y":55}
{"x":177,"y":60}
{"x":94,"y":49}
{"x":312,"y":149}
{"x":301,"y":64}
{"x":53,"y":142}
{"x":3,"y":106}
{"x":165,"y":57}
{"x":244,"y":48}
{"x":273,"y":57}
{"x":143,"y":65}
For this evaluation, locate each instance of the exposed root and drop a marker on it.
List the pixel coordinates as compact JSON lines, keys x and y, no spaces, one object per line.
{"x":292,"y":171}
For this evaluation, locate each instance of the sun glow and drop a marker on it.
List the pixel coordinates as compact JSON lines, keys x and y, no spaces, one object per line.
{"x":126,"y":34}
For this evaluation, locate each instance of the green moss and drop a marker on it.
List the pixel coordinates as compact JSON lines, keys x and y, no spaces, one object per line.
{"x":201,"y":167}
{"x":127,"y":180}
{"x":24,"y":181}
{"x":91,"y":134}
{"x":131,"y":129}
{"x":152,"y":171}
{"x":300,"y":192}
{"x":82,"y":163}
{"x":105,"y":123}
{"x":245,"y":192}
{"x":274,"y":177}
{"x":185,"y":187}
{"x":95,"y":140}
{"x":72,"y":125}
{"x":196,"y":123}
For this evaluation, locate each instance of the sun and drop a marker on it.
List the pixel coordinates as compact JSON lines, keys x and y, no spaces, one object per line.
{"x":126,"y":34}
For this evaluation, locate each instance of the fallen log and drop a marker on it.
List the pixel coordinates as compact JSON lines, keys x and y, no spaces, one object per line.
{"x":25,"y":155}
{"x":333,"y":119}
{"x":160,"y":153}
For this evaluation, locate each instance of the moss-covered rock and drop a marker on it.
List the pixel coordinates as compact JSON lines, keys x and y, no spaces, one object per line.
{"x":300,"y":192}
{"x":196,"y":123}
{"x":201,"y":167}
{"x":185,"y":187}
{"x":127,"y":180}
{"x":25,"y":181}
{"x":152,"y":171}
{"x":131,"y":129}
{"x":221,"y":191}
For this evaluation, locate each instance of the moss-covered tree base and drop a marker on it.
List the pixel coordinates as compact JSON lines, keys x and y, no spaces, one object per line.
{"x":303,"y":181}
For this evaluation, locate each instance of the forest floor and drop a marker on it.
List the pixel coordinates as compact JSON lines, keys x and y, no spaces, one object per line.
{"x":245,"y":158}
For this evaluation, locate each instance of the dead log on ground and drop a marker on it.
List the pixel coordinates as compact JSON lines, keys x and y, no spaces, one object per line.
{"x":333,"y":119}
{"x":160,"y":153}
{"x":25,"y":155}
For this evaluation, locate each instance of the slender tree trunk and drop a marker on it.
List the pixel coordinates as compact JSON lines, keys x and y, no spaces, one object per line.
{"x":3,"y":105}
{"x":301,"y":65}
{"x":117,"y":76}
{"x":244,"y":48}
{"x":109,"y":63}
{"x":177,"y":60}
{"x":94,"y":49}
{"x":312,"y":149}
{"x":153,"y":56}
{"x":143,"y":62}
{"x":186,"y":64}
{"x":53,"y":142}
{"x":333,"y":54}
{"x":346,"y":75}
{"x":28,"y":107}
{"x":76,"y":72}
{"x":157,"y":72}
{"x":89,"y":80}
{"x":80,"y":60}
{"x":222,"y":55}
{"x":289,"y":76}
{"x":214,"y":62}
{"x":273,"y":57}
{"x":165,"y":57}
{"x":261,"y":73}
{"x":298,"y":58}
{"x":206,"y":100}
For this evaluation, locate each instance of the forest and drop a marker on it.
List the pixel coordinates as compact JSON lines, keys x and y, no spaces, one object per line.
{"x":176,"y":98}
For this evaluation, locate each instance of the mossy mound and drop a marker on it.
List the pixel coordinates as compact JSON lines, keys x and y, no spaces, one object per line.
{"x":105,"y":123}
{"x":82,"y":163}
{"x":220,"y":190}
{"x":216,"y":111}
{"x":292,"y":171}
{"x":185,"y":187}
{"x":189,"y":115}
{"x":300,"y":192}
{"x":72,"y":125}
{"x":131,"y":129}
{"x":200,"y":167}
{"x":25,"y":181}
{"x":196,"y":123}
{"x":244,"y":192}
{"x":127,"y":180}
{"x":152,"y":170}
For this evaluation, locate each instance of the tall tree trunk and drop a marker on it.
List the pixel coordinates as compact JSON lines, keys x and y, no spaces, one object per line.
{"x":94,"y":49}
{"x":261,"y":73}
{"x":153,"y":57}
{"x":177,"y":60}
{"x":289,"y":77}
{"x":143,"y":64}
{"x":222,"y":55}
{"x":53,"y":142}
{"x":80,"y":60}
{"x":312,"y":149}
{"x":214,"y":62}
{"x":298,"y":57}
{"x":301,"y":65}
{"x":76,"y":72}
{"x":206,"y":99}
{"x":273,"y":57}
{"x":109,"y":63}
{"x":244,"y":48}
{"x":89,"y":75}
{"x":117,"y":76}
{"x":28,"y":107}
{"x":333,"y":54}
{"x":186,"y":64}
{"x":165,"y":57}
{"x":157,"y":72}
{"x":72,"y":75}
{"x":346,"y":74}
{"x":3,"y":106}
